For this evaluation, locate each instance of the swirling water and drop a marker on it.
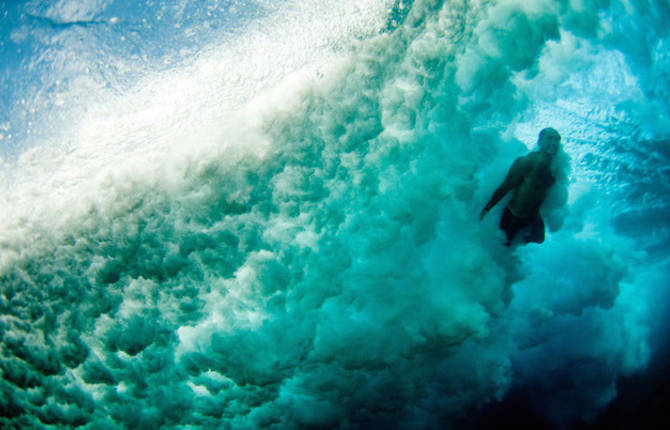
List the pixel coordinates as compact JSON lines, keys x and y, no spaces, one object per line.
{"x":265,"y":214}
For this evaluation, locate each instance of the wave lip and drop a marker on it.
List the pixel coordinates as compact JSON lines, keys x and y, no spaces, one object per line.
{"x":283,"y":232}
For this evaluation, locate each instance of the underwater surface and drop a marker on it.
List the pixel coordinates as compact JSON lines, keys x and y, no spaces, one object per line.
{"x":265,"y":214}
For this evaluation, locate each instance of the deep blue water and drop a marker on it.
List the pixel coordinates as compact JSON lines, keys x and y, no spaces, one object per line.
{"x":265,"y":214}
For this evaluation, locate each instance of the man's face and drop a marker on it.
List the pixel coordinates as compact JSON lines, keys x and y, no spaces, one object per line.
{"x":549,"y":143}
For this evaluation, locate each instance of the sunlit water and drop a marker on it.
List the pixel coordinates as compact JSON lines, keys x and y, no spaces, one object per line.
{"x":248,"y":214}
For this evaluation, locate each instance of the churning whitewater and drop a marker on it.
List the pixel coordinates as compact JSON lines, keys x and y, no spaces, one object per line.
{"x":265,"y":214}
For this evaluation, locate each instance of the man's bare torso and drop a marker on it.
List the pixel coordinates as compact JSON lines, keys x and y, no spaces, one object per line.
{"x":536,"y":179}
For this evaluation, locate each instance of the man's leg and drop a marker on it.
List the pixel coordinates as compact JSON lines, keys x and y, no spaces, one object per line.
{"x":510,"y":224}
{"x":536,"y":230}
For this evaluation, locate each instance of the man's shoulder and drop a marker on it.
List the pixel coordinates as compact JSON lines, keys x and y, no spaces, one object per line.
{"x":530,"y":159}
{"x":524,"y":161}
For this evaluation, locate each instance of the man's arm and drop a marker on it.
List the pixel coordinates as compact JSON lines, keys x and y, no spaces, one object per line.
{"x":512,"y":180}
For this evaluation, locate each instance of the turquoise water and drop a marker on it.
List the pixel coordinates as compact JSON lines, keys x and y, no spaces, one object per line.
{"x":265,"y":214}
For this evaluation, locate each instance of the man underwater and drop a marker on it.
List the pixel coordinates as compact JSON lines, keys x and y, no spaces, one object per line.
{"x":531,"y":178}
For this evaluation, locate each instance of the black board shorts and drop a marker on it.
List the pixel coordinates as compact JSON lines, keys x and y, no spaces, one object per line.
{"x":512,"y":224}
